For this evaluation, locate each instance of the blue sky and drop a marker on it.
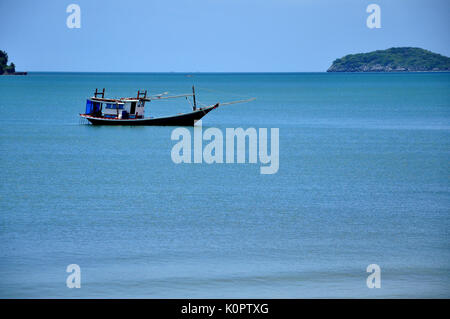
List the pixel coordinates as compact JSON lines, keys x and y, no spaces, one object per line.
{"x":212,"y":35}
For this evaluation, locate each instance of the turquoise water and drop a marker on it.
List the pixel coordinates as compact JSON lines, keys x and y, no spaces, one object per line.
{"x":363,"y":179}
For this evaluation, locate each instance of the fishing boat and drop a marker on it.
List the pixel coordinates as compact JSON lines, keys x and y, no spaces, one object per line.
{"x":131,"y":110}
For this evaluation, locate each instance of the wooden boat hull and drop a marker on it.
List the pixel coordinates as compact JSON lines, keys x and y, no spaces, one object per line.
{"x":185,"y":119}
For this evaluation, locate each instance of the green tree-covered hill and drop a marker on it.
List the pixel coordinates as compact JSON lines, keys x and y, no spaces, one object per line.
{"x":404,"y":59}
{"x":4,"y":67}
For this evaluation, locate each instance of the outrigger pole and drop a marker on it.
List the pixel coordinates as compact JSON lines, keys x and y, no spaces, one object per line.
{"x":160,"y":97}
{"x":240,"y":101}
{"x":151,"y":98}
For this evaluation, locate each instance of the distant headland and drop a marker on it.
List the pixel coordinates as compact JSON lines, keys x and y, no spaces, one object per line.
{"x":6,"y":69}
{"x":404,"y":59}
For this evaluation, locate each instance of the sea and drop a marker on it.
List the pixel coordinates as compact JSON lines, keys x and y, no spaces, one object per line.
{"x":363,"y":179}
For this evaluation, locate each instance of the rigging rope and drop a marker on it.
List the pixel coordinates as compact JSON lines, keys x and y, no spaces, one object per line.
{"x":224,"y":92}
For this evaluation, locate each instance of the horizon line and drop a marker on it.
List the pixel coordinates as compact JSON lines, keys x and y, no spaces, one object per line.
{"x":180,"y":72}
{"x":226,"y":72}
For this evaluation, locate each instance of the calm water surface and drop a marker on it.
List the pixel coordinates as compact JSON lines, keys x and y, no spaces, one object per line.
{"x":363,"y":178}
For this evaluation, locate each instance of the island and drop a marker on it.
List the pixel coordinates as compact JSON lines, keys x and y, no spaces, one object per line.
{"x":6,"y":69}
{"x":405,"y":59}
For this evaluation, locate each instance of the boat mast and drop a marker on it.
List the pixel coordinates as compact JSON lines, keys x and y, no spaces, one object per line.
{"x":99,"y":93}
{"x":142,"y":93}
{"x":193,"y":95}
